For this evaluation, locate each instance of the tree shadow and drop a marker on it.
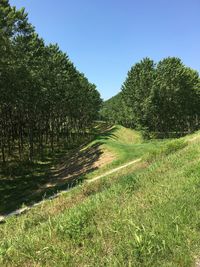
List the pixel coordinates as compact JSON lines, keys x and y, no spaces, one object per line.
{"x":72,"y":170}
{"x":29,"y":183}
{"x":106,"y":133}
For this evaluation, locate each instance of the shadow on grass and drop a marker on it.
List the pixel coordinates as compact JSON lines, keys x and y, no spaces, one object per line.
{"x":106,"y":133}
{"x":27,"y":183}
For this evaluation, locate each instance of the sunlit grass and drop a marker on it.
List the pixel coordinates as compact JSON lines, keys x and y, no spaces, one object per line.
{"x":145,"y":215}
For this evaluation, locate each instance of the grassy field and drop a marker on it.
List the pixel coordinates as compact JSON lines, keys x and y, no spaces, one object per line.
{"x":145,"y":215}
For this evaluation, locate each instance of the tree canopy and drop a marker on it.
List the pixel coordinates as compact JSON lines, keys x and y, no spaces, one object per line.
{"x":43,"y":97}
{"x":161,"y":98}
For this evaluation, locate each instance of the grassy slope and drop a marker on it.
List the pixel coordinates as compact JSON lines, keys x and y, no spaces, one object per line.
{"x":21,"y":184}
{"x":125,"y":144}
{"x":146,"y":215}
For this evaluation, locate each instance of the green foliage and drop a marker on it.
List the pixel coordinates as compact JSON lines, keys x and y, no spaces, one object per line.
{"x":116,"y":111}
{"x":174,"y":100}
{"x":44,"y":99}
{"x":137,"y":88}
{"x":160,"y":100}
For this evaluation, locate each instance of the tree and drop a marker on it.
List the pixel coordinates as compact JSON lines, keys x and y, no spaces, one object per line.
{"x":137,"y":89}
{"x":115,"y":111}
{"x":174,"y":98}
{"x":44,"y":100}
{"x":162,"y":99}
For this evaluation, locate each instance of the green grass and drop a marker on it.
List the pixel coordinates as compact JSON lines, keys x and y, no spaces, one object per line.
{"x":125,"y":144}
{"x":20,"y":183}
{"x":146,"y":215}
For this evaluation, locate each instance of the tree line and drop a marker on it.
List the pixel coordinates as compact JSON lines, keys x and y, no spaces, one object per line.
{"x":160,"y":99}
{"x":44,"y":100}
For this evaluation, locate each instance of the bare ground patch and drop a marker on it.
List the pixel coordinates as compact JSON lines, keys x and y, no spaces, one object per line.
{"x":80,"y":164}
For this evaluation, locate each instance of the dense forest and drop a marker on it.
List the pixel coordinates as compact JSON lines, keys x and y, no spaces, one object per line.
{"x":160,"y":99}
{"x":44,"y":99}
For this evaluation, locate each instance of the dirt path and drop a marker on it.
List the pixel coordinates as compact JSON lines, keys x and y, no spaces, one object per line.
{"x":22,"y":210}
{"x":113,"y":170}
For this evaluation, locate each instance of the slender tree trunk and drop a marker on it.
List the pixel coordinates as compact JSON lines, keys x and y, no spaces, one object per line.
{"x":31,"y":141}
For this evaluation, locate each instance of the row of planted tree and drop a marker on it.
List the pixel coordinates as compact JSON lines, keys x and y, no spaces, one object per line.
{"x":161,"y":99}
{"x":43,"y":98}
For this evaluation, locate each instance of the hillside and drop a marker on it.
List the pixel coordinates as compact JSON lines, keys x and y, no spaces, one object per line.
{"x":145,"y":215}
{"x":111,"y":146}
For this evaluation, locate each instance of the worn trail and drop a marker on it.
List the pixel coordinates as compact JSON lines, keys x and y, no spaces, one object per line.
{"x":22,"y":210}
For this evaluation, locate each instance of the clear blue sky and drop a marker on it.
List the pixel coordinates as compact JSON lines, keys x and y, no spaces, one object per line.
{"x":104,"y":38}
